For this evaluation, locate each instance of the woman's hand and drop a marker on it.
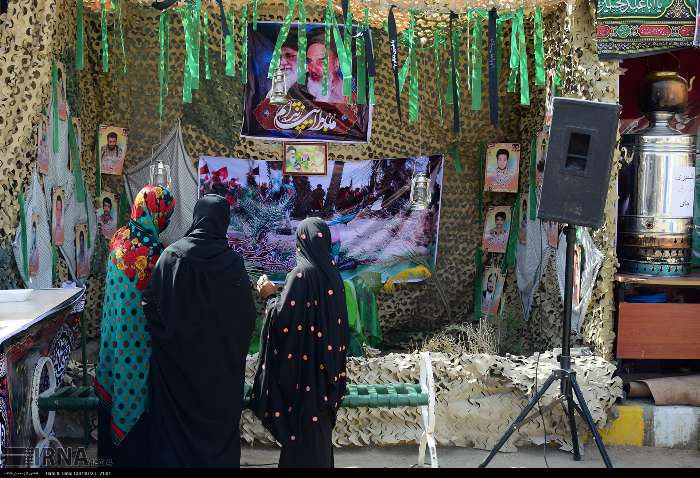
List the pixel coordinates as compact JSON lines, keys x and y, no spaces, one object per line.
{"x":265,"y":287}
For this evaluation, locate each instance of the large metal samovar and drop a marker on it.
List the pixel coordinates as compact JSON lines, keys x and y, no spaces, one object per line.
{"x":655,"y":229}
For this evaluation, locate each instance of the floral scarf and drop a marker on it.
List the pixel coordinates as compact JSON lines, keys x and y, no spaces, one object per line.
{"x":121,"y":379}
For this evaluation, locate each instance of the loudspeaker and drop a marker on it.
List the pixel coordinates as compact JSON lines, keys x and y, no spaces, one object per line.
{"x":579,"y":158}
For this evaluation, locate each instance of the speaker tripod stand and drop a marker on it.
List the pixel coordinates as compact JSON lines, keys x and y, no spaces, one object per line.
{"x":567,"y":376}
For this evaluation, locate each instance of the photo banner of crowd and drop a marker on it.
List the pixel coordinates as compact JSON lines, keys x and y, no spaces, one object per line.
{"x":325,"y":100}
{"x":376,"y":230}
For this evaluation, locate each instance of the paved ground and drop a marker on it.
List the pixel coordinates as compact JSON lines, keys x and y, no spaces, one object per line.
{"x":406,"y":457}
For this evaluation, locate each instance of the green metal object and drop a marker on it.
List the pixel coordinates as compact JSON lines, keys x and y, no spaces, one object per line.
{"x":70,"y":398}
{"x":392,"y":395}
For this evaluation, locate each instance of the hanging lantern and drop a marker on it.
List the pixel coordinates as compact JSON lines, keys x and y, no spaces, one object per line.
{"x":279,"y":88}
{"x":160,"y":174}
{"x":420,"y":192}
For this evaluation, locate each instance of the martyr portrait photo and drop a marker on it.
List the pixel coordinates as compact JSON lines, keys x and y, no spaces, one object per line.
{"x":57,"y":209}
{"x":502,"y":166}
{"x":491,"y":291}
{"x":112,"y":149}
{"x":496,"y":229}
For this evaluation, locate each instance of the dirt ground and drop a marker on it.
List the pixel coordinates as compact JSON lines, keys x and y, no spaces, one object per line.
{"x":453,"y":457}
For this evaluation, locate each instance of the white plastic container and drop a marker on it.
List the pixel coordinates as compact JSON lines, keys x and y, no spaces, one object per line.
{"x":15,"y":295}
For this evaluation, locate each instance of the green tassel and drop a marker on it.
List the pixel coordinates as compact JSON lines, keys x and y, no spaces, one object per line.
{"x":196,"y":41}
{"x":80,"y":36}
{"x":524,"y":79}
{"x":244,"y":45}
{"x":514,"y":56}
{"x":255,"y":15}
{"x":413,"y":100}
{"x":344,"y":57}
{"x":301,"y":43}
{"x":23,"y":235}
{"x":187,"y":71}
{"x":54,"y":103}
{"x":205,"y":39}
{"x":513,"y":235}
{"x":74,"y":148}
{"x":231,"y":44}
{"x":539,"y":48}
{"x":361,"y":71}
{"x":105,"y":45}
{"x":437,"y":39}
{"x":456,"y":162}
{"x":347,"y":41}
{"x":477,"y":63}
{"x":281,"y":37}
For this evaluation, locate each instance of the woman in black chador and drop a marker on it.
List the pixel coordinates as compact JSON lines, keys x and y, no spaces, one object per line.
{"x":300,"y":380}
{"x":201,"y":313}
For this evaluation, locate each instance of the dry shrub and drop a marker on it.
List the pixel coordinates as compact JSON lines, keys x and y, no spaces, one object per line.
{"x":464,"y":338}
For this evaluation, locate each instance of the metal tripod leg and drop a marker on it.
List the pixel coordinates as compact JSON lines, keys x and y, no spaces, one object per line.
{"x":589,"y":421}
{"x":516,"y":423}
{"x":567,"y":382}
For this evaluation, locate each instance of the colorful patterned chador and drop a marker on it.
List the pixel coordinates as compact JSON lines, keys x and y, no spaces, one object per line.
{"x":121,"y":379}
{"x":629,"y":28}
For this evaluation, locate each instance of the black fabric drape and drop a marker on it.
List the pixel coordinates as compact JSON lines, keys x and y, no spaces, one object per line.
{"x":201,"y":314}
{"x":301,"y":369}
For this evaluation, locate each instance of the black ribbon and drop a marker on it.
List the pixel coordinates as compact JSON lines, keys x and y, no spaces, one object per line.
{"x":163,"y":5}
{"x":394,"y":55}
{"x":369,"y":54}
{"x":493,"y":76}
{"x":345,"y":4}
{"x":224,"y":23}
{"x":455,"y":98}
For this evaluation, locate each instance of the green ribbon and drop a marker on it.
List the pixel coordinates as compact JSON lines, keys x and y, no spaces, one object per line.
{"x":231,"y":44}
{"x":244,"y":45}
{"x":522,"y":50}
{"x":408,"y":38}
{"x":477,"y":61}
{"x":74,"y":149}
{"x":281,"y":37}
{"x":437,"y":40}
{"x":539,"y":48}
{"x":532,"y":181}
{"x":361,"y":71}
{"x":161,"y":66}
{"x":478,"y":278}
{"x":105,"y":45}
{"x":301,"y":42}
{"x":186,"y":17}
{"x":347,"y":42}
{"x":205,"y":39}
{"x":513,"y":236}
{"x":556,"y":79}
{"x":327,"y":47}
{"x":255,"y":15}
{"x":121,"y":34}
{"x":167,"y":53}
{"x":514,"y":56}
{"x":371,"y":76}
{"x":413,"y":108}
{"x":456,"y":161}
{"x":344,"y":57}
{"x":98,"y":173}
{"x":54,"y":103}
{"x":196,"y":40}
{"x":80,"y":36}
{"x":23,"y":235}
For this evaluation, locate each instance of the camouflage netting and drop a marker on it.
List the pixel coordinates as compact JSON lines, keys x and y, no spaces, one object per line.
{"x":477,"y":396}
{"x":34,"y":33}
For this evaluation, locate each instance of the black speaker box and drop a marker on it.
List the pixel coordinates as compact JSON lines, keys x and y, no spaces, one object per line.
{"x":579,"y":158}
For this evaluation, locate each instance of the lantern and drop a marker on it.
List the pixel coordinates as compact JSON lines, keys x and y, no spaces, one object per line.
{"x":279,"y":88}
{"x":420,"y":192}
{"x":160,"y":174}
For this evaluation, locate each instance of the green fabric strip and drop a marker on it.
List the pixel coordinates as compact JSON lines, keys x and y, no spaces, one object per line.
{"x":196,"y":41}
{"x":231,"y":44}
{"x":539,"y":48}
{"x":369,"y":312}
{"x":161,"y":64}
{"x":185,"y":16}
{"x":54,"y":104}
{"x":478,"y":279}
{"x":281,"y":37}
{"x":437,"y":38}
{"x":80,"y":36}
{"x":105,"y":45}
{"x":556,"y":79}
{"x":244,"y":45}
{"x":477,"y":63}
{"x":255,"y":15}
{"x":98,"y":173}
{"x":372,"y":100}
{"x":513,"y":235}
{"x":361,"y":71}
{"x":167,"y":52}
{"x":405,"y":69}
{"x":205,"y":39}
{"x":467,"y":30}
{"x":74,"y":149}
{"x":532,"y":181}
{"x":370,"y":83}
{"x":23,"y":234}
{"x":347,"y":41}
{"x":413,"y":103}
{"x":514,"y":57}
{"x":456,"y":161}
{"x":121,"y":34}
{"x":301,"y":41}
{"x":326,"y":48}
{"x":522,"y":49}
{"x":344,"y":57}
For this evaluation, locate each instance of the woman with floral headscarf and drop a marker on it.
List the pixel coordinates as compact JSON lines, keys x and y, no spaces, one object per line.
{"x":122,"y":373}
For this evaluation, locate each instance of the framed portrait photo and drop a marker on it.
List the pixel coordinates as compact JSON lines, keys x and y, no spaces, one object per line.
{"x":112,"y":142}
{"x":305,"y":159}
{"x":491,"y":291}
{"x":107,"y":214}
{"x":497,"y":229}
{"x":42,"y":147}
{"x":34,"y":246}
{"x":502,"y":167}
{"x":57,"y":210}
{"x":82,"y":263}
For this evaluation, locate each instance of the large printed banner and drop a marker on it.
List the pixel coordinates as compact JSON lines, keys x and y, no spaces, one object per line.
{"x":308,"y":114}
{"x":366,"y":204}
{"x":629,"y":28}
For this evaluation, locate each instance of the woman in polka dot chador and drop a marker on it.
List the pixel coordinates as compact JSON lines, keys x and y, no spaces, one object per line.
{"x":301,"y":378}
